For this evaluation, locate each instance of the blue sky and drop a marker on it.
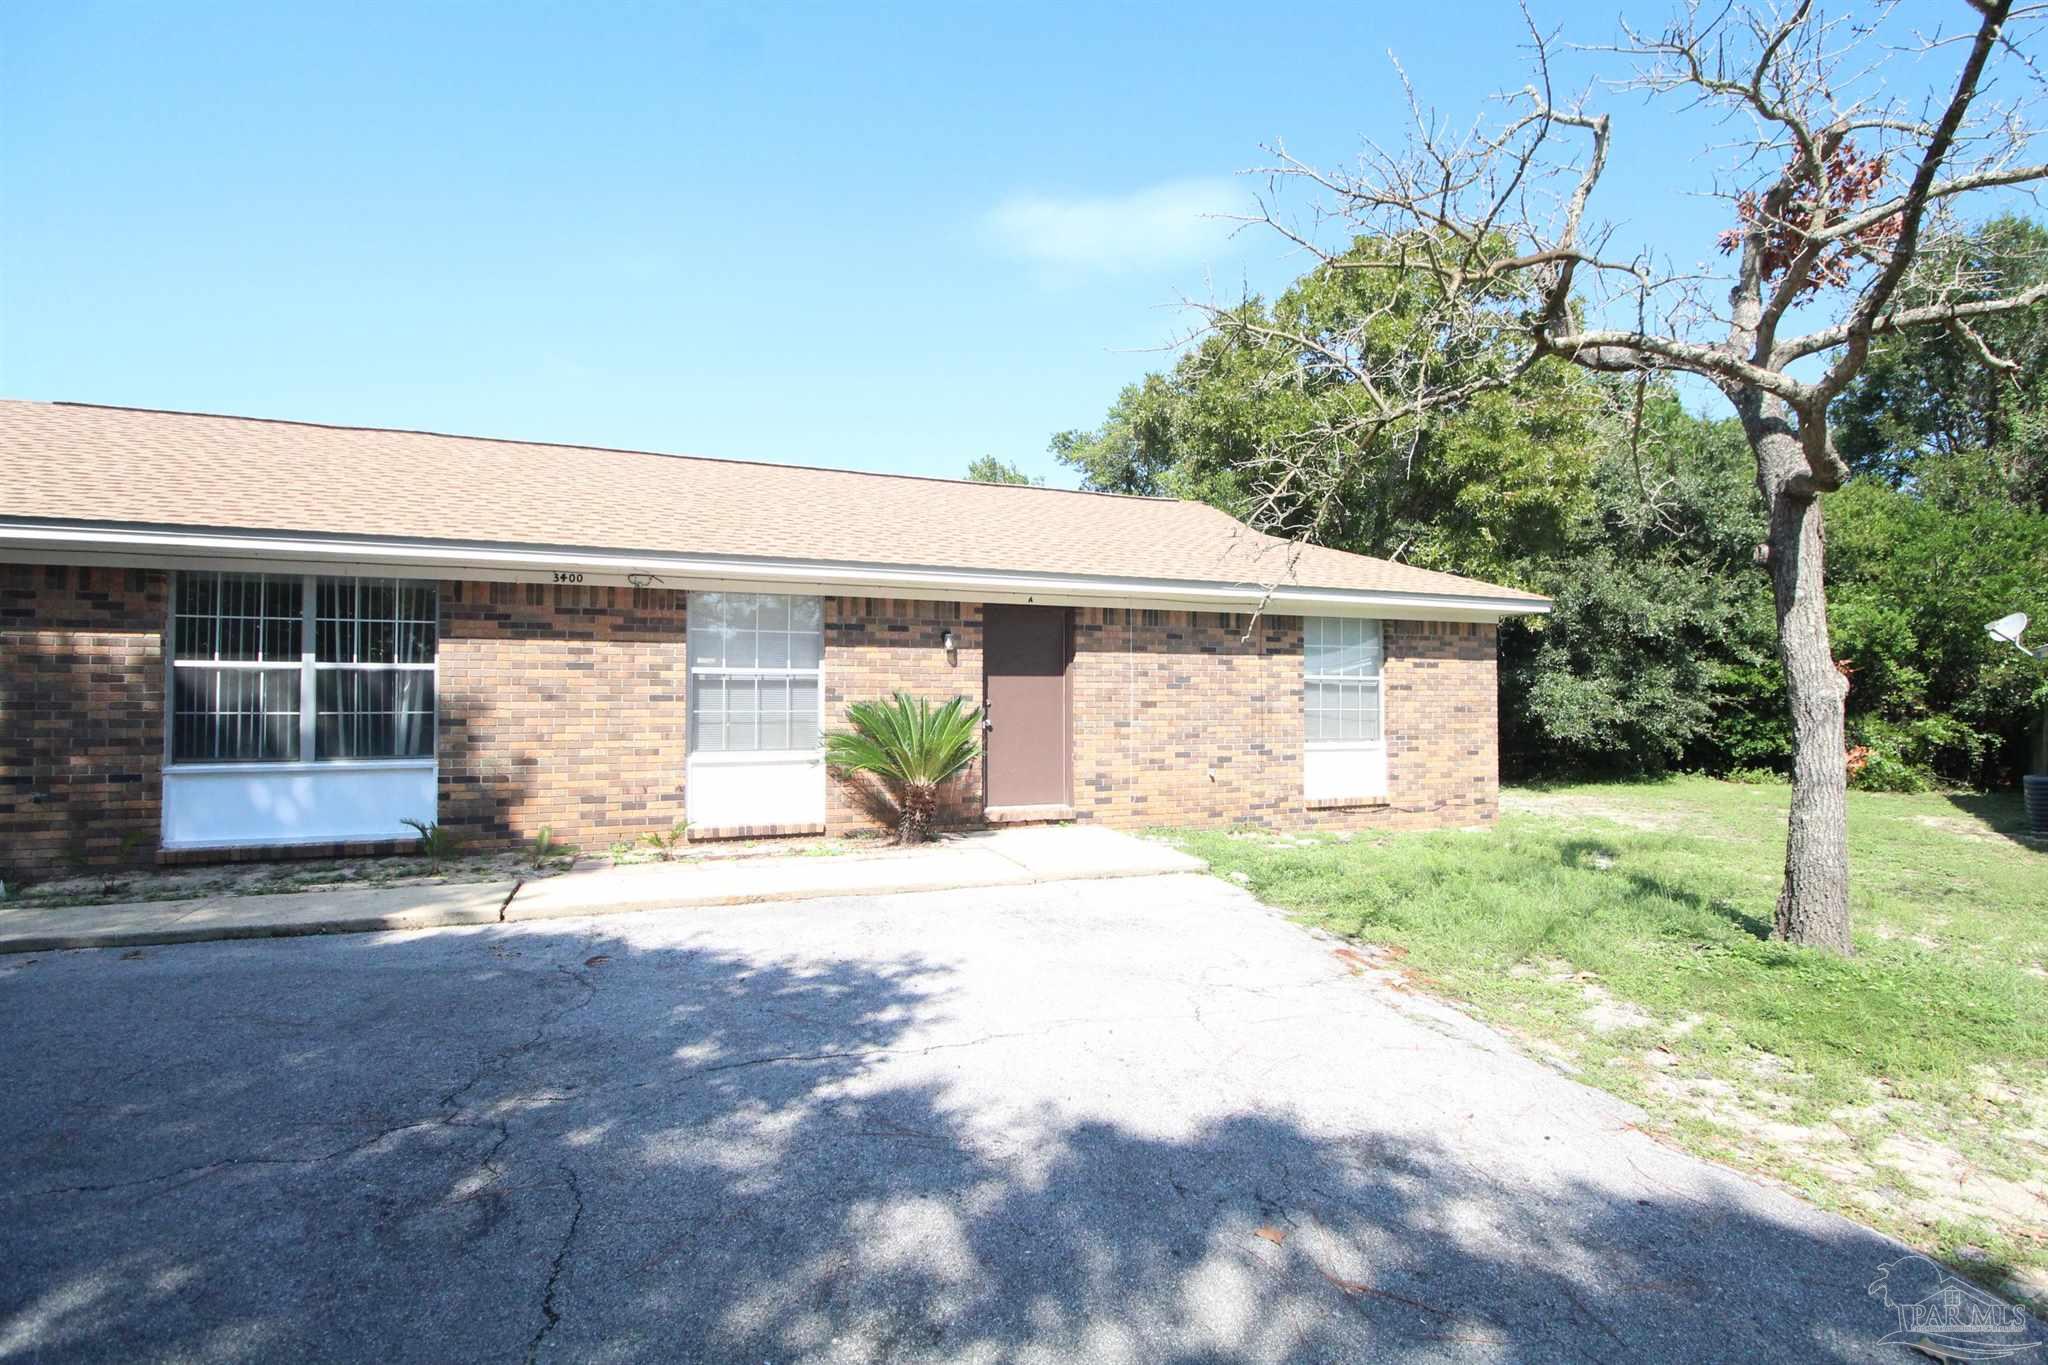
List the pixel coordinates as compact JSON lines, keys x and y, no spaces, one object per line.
{"x":893,"y":238}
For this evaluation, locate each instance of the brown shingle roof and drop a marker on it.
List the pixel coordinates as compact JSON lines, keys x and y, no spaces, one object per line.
{"x":79,"y":462}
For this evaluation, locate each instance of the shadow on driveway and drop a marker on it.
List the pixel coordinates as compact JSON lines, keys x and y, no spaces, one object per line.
{"x":564,"y":1142}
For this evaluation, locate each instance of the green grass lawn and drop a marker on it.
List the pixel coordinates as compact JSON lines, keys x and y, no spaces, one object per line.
{"x":1620,"y":931}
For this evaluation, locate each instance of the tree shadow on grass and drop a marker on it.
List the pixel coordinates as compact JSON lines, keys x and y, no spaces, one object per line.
{"x":546,"y":1143}
{"x":1596,"y":855}
{"x":2003,"y":813}
{"x":1599,"y":855}
{"x":1719,"y":907}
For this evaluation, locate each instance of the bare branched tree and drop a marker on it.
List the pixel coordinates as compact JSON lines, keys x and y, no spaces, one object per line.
{"x":1839,"y":190}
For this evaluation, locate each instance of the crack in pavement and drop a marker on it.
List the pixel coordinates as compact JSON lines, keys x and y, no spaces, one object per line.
{"x":551,"y":1316}
{"x":205,"y":1168}
{"x":548,"y":1021}
{"x":187,"y":1175}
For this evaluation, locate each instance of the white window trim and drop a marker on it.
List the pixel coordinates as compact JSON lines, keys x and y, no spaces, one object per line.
{"x":1372,"y":752}
{"x":720,"y":757}
{"x":309,"y":670}
{"x":296,"y":765}
{"x":1378,"y":681}
{"x":739,"y":758}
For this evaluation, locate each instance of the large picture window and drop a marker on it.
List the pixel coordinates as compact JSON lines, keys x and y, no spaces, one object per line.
{"x":281,"y":668}
{"x":1341,"y":667}
{"x":754,"y":672}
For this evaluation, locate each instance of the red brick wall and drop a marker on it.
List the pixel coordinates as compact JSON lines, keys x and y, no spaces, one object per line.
{"x":564,"y":707}
{"x":1442,"y":722}
{"x":81,"y":716}
{"x":875,"y":646}
{"x":561,"y":707}
{"x":1180,"y":719}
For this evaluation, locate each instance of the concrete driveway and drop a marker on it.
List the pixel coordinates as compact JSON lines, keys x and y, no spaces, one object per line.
{"x":1133,"y":1120}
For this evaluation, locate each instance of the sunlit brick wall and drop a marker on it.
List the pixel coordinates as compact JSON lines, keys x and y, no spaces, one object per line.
{"x":1195,"y":718}
{"x":876,"y":646}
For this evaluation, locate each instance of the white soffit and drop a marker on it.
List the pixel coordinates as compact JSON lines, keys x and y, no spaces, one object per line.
{"x":128,"y":547}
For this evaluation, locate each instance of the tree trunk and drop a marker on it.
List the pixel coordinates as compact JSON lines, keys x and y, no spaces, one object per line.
{"x":1813,"y":906}
{"x":920,"y":804}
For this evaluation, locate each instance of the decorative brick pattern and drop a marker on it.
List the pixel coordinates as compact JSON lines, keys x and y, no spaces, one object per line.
{"x":561,"y":707}
{"x":720,"y":833}
{"x":875,"y":646}
{"x":81,"y":716}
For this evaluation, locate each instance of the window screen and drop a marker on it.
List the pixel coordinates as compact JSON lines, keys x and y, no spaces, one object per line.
{"x":373,"y":645}
{"x":1341,"y":673}
{"x":754,"y":671}
{"x":258,"y":677}
{"x":236,"y":692}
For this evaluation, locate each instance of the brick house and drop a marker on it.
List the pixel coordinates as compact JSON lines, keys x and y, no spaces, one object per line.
{"x":221,"y":635}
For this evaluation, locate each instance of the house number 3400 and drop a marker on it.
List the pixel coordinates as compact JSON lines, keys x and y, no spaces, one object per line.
{"x":564,"y":577}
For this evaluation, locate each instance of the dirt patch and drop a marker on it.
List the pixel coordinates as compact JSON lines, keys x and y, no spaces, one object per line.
{"x":271,"y":879}
{"x":1880,"y":1158}
{"x":1562,"y":806}
{"x":337,"y":874}
{"x":1949,"y":1186}
{"x":1962,"y":826}
{"x":1605,"y":1014}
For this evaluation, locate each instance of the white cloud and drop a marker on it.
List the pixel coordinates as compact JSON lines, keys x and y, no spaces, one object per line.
{"x":1167,"y":224}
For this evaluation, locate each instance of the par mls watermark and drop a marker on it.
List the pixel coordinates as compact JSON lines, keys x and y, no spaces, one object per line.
{"x":1948,"y":1317}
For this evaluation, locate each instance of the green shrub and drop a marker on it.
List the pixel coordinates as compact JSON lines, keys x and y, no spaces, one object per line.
{"x":667,"y":843}
{"x":913,"y":747}
{"x":546,"y":848}
{"x":437,"y":841}
{"x":1895,"y":756}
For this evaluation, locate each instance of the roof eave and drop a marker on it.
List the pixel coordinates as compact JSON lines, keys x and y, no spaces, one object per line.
{"x":129,"y":545}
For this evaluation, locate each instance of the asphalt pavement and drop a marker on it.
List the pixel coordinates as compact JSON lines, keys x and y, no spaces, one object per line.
{"x":1143,"y":1119}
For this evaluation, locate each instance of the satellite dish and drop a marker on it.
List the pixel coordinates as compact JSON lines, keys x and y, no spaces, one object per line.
{"x":2009,"y":629}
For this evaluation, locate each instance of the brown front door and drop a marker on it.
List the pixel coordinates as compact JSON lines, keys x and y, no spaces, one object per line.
{"x":1024,"y":659}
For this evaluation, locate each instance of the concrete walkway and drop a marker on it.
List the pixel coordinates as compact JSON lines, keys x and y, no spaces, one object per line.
{"x":1008,"y":857}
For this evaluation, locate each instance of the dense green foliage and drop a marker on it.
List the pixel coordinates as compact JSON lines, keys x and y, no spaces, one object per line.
{"x":988,"y":469}
{"x":1946,"y":528}
{"x":1640,"y":519}
{"x":1660,"y":622}
{"x":1928,"y":394}
{"x":913,"y":747}
{"x":1468,"y":493}
{"x":1914,"y":576}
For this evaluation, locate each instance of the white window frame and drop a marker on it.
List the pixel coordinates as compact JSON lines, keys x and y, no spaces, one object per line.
{"x":1345,"y":769}
{"x":310,"y":667}
{"x":698,"y":670}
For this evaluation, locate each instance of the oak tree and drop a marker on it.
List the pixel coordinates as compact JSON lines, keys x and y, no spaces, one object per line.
{"x":1845,"y":197}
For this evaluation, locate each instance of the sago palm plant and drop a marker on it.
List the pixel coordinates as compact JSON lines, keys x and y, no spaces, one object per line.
{"x":912,"y":747}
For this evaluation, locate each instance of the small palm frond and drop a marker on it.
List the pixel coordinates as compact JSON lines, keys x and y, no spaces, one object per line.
{"x":907,"y":740}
